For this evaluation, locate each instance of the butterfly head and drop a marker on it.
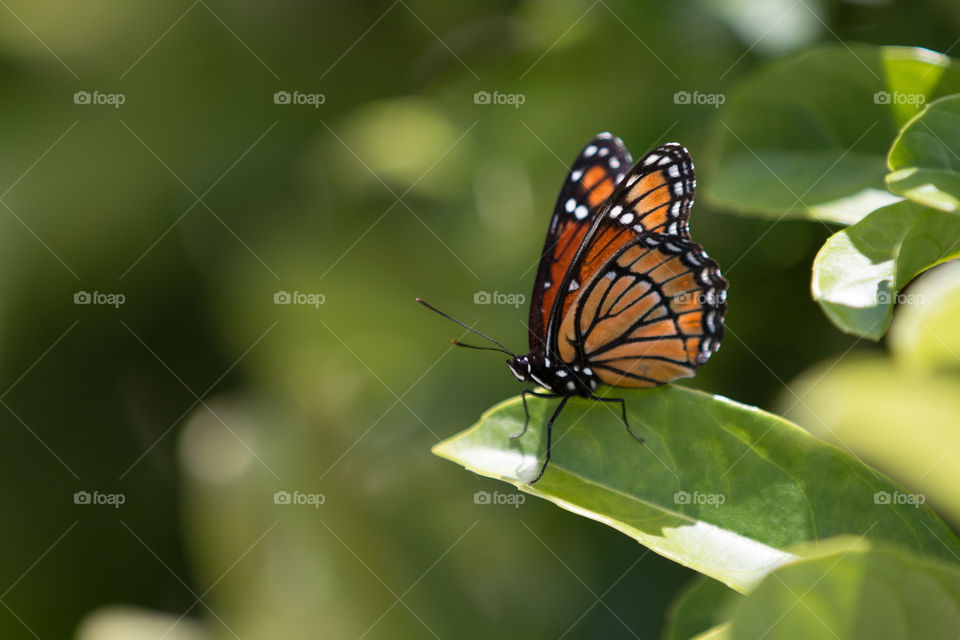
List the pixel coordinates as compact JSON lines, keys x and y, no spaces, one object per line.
{"x":520,"y":367}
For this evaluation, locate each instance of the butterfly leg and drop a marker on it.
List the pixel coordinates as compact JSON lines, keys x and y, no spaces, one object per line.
{"x":550,"y":437}
{"x":526,"y":412}
{"x":623,"y":414}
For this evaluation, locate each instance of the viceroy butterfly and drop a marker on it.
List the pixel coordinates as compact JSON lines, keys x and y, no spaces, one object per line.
{"x":623,"y":296}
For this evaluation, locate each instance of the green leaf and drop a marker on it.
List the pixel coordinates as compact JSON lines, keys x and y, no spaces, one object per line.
{"x":924,"y":164}
{"x":700,"y":606}
{"x":808,"y":135}
{"x":859,"y":271}
{"x":925,"y":335}
{"x":854,"y":593}
{"x":903,"y":421}
{"x":718,"y":486}
{"x":721,"y":632}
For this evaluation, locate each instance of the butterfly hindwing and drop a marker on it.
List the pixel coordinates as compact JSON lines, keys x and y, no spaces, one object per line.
{"x":593,"y":177}
{"x":654,"y":314}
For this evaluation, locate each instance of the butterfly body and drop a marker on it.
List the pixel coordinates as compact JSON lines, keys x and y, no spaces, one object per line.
{"x":559,"y":379}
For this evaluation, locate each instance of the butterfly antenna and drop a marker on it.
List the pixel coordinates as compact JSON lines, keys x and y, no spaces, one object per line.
{"x":468,"y":328}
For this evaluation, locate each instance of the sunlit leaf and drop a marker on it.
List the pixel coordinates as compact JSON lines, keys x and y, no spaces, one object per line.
{"x":898,"y":420}
{"x":924,"y":161}
{"x":925,"y":334}
{"x":718,"y":486}
{"x":854,"y":593}
{"x":859,"y":271}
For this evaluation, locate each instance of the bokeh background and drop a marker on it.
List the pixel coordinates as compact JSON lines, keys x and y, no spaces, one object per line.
{"x":197,"y":399}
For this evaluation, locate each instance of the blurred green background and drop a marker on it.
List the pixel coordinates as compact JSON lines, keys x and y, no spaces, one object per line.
{"x":200,"y":197}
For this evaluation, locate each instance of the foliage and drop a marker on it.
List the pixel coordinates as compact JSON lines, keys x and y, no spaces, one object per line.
{"x":818,"y":541}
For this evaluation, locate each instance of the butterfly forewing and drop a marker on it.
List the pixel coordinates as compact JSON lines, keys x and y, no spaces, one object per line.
{"x":593,"y":178}
{"x":640,"y":302}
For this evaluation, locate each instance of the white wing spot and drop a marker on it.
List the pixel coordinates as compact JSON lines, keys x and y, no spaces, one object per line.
{"x":570,"y":385}
{"x":672,"y":229}
{"x":604,"y":151}
{"x":547,"y":284}
{"x":626,"y":218}
{"x":581,"y":212}
{"x":651,"y":159}
{"x":614,"y":163}
{"x":610,"y":275}
{"x":678,"y":188}
{"x":589,"y":151}
{"x":561,"y":373}
{"x":575,"y":175}
{"x":615,"y":211}
{"x":574,"y":285}
{"x":675,"y":208}
{"x":570,"y":205}
{"x":674,"y":171}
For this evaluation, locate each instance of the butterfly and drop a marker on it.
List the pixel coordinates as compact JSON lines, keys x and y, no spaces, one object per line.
{"x":623,"y":296}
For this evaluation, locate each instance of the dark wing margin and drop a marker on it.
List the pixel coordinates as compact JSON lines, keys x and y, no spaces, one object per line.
{"x":592,"y":179}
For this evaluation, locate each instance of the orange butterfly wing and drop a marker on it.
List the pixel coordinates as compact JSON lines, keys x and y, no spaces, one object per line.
{"x":653,"y":315}
{"x":643,"y":304}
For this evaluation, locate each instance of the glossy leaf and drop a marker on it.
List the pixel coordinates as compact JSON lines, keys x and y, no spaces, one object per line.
{"x":808,"y":136}
{"x":718,"y":486}
{"x":859,"y":271}
{"x":854,"y":593}
{"x":923,"y":160}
